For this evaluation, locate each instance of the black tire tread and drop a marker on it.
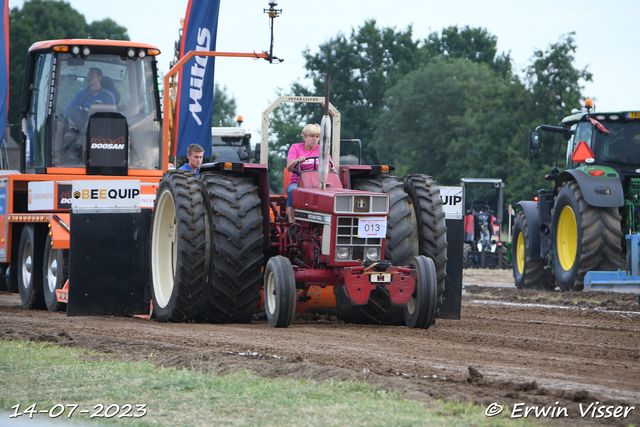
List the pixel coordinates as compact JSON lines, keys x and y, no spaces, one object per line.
{"x":424,"y":194}
{"x":601,"y":238}
{"x":425,"y":294}
{"x":535,"y":275}
{"x":285,"y":290}
{"x":400,"y":247}
{"x":191,"y":263}
{"x":237,"y":240}
{"x":466,"y":248}
{"x":34,"y":297}
{"x":61,"y":277}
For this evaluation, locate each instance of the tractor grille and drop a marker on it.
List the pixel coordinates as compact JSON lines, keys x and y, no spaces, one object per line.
{"x":347,"y":237}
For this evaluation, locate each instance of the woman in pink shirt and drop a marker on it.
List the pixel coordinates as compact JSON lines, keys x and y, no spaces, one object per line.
{"x":299,"y":153}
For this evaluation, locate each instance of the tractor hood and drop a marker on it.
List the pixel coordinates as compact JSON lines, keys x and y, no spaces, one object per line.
{"x":336,"y":199}
{"x":341,"y":201}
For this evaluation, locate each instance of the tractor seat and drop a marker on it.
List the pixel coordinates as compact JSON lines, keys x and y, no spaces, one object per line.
{"x":107,"y":83}
{"x":478,"y":206}
{"x":286,"y":179}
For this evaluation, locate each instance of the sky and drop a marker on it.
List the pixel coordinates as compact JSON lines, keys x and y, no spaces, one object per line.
{"x":605,"y":35}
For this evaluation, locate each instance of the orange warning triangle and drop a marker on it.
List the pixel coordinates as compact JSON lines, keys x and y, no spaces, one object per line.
{"x":582,"y":153}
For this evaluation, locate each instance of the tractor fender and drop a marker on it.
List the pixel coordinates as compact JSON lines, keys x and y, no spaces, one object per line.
{"x":533,"y":219}
{"x":598,"y":191}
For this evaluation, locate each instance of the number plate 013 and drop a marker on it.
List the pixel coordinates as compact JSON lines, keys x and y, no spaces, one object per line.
{"x":372,"y":226}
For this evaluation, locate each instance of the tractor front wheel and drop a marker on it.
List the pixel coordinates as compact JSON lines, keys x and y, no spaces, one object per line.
{"x":420,"y":311}
{"x":466,"y":250}
{"x":56,"y":273}
{"x":279,"y":292}
{"x":585,"y":238}
{"x":30,"y":269}
{"x":528,"y":273}
{"x":179,"y":248}
{"x":401,"y":245}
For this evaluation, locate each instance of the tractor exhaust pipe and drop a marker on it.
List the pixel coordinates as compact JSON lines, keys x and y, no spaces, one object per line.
{"x":325,"y":138}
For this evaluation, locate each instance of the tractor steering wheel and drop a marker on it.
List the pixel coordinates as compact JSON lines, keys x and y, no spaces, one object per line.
{"x":296,"y":167}
{"x":86,"y":96}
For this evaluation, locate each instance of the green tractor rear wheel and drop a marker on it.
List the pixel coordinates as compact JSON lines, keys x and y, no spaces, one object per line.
{"x":586,"y":238}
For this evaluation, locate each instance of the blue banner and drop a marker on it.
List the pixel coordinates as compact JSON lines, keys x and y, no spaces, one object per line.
{"x":4,"y":65}
{"x":195,"y":87}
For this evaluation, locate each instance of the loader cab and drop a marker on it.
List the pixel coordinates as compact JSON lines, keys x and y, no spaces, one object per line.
{"x":230,"y":145}
{"x":116,"y":130}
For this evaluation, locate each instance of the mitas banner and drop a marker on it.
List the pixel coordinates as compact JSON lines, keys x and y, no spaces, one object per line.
{"x":195,"y":86}
{"x":4,"y":65}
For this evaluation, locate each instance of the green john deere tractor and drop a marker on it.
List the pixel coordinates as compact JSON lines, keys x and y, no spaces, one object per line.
{"x":579,"y":225}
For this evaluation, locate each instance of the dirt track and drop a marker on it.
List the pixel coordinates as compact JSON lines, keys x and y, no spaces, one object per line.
{"x":509,"y":347}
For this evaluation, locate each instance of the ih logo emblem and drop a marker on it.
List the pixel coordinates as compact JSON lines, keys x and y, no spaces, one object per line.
{"x":361,"y":204}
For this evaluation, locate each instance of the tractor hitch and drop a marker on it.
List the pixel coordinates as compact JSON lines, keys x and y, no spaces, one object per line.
{"x":398,"y":282}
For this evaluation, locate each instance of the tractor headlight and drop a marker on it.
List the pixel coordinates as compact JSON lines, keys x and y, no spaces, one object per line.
{"x":342,"y":253}
{"x":372,"y":254}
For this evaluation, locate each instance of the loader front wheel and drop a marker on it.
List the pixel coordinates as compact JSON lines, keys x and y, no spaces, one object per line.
{"x":30,"y":254}
{"x":179,"y":248}
{"x":528,"y":273}
{"x":420,"y":312}
{"x":237,"y":238}
{"x":279,"y":292}
{"x":585,"y":238}
{"x":56,"y":273}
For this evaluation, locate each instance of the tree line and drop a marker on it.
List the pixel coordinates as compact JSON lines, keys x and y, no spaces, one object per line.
{"x":449,"y":105}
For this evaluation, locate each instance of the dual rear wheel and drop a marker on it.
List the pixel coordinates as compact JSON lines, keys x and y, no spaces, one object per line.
{"x":41,"y":269}
{"x":206,"y":248}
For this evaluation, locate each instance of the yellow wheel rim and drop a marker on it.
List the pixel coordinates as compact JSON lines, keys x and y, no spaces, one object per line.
{"x":567,"y":238}
{"x":520,"y":253}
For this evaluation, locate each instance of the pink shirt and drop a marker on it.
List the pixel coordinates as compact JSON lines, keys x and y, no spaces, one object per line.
{"x":296,"y":151}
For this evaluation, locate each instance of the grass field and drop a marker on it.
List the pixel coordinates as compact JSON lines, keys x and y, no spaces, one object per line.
{"x":59,"y":379}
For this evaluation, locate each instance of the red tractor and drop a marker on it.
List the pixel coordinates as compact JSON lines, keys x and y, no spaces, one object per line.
{"x":378,"y":242}
{"x":483,"y":247}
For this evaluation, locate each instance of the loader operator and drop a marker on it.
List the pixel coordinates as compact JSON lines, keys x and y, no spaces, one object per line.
{"x":298,"y":153}
{"x":76,"y":111}
{"x":195,"y":154}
